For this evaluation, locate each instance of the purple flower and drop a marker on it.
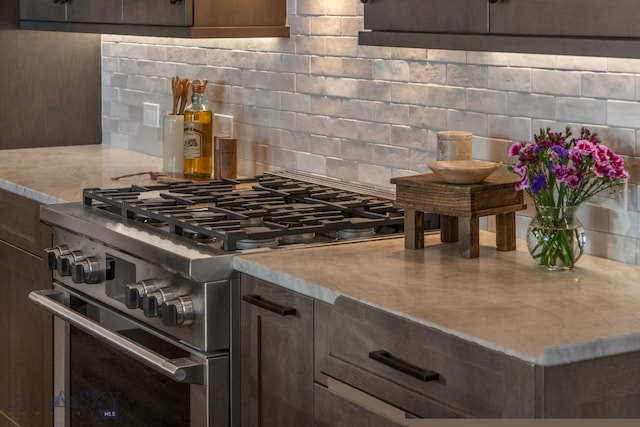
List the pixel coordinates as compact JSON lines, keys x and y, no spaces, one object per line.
{"x":560,"y":151}
{"x":539,"y":182}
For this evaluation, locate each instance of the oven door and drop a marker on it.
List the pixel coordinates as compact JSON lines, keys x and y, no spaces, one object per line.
{"x":112,"y":370}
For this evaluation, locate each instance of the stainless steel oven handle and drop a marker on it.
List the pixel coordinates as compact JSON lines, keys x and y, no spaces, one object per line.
{"x":183,"y":370}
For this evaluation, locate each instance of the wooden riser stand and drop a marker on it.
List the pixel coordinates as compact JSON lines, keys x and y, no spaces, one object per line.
{"x":460,"y":207}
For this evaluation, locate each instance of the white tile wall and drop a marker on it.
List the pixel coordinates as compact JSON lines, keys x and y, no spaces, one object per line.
{"x":318,"y":102}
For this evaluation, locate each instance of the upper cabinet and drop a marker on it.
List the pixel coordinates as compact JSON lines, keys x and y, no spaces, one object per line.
{"x":571,"y":27}
{"x":162,"y":18}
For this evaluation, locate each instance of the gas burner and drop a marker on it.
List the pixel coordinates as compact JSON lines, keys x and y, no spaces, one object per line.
{"x":256,"y":243}
{"x":355,"y":233}
{"x":257,"y":212}
{"x":298,"y":238}
{"x":198,"y":237}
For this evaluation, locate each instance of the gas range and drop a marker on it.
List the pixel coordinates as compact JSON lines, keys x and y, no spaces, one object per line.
{"x":134,"y":263}
{"x":155,"y":252}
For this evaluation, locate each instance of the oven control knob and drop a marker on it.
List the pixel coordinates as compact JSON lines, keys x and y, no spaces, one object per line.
{"x":65,"y":262}
{"x":54,"y":253}
{"x":134,"y":292}
{"x":177,"y":312}
{"x":85,"y":270}
{"x":152,"y":301}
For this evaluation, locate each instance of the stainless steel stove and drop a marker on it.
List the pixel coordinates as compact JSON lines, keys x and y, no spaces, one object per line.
{"x":135,"y":268}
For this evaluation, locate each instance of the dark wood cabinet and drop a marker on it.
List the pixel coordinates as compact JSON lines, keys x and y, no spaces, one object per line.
{"x":26,"y":383}
{"x":572,"y":27}
{"x":103,"y":11}
{"x":277,"y":356}
{"x":52,"y":80}
{"x":162,"y":18}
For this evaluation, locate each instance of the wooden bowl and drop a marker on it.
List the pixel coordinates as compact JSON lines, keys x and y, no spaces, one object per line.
{"x":463,"y":171}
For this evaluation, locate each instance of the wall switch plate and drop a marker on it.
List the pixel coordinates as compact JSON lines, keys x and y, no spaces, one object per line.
{"x":223,"y":125}
{"x":151,"y":115}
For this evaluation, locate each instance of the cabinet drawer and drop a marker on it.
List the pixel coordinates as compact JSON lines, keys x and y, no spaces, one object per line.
{"x":332,"y":410}
{"x":458,"y":378}
{"x":20,"y":223}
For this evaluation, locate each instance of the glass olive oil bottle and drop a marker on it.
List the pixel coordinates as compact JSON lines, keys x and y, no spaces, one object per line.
{"x":198,"y":134}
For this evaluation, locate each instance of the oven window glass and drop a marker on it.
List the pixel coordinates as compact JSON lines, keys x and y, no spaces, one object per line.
{"x":108,"y":388}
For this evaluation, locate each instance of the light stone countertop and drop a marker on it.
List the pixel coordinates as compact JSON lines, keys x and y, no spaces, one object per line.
{"x":501,"y":300}
{"x":58,"y":174}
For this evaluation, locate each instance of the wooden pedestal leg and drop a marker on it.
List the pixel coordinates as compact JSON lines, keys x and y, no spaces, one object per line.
{"x":413,"y":229}
{"x":469,"y":237}
{"x":448,"y":228}
{"x":506,"y":231}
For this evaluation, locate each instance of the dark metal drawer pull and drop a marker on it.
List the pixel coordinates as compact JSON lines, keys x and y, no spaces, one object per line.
{"x":257,"y":300}
{"x":386,"y":358}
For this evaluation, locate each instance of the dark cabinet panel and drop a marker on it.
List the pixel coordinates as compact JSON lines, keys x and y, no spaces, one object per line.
{"x":162,"y":18}
{"x":450,"y":16}
{"x":277,"y":356}
{"x":74,"y":11}
{"x":26,"y":383}
{"x":565,"y":27}
{"x":164,"y":12}
{"x":51,"y":84}
{"x":581,"y":18}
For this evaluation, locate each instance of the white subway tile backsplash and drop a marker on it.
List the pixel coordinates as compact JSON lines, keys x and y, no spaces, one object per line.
{"x":392,"y":70}
{"x":357,"y":109}
{"x":612,"y":86}
{"x":487,"y":101}
{"x":510,"y":79}
{"x":531,"y":105}
{"x":319,"y":102}
{"x":622,"y":113}
{"x":326,"y":106}
{"x":391,"y":113}
{"x":555,"y":82}
{"x":467,"y":75}
{"x":591,"y":111}
{"x":416,"y":94}
{"x":427,"y":72}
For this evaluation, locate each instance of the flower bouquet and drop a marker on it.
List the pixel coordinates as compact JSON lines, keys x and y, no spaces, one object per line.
{"x":560,"y":172}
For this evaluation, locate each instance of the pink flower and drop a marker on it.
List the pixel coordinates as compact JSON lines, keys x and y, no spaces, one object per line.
{"x":584,"y":146}
{"x":601,"y":155}
{"x":561,"y":172}
{"x":573,"y":182}
{"x":523,"y":184}
{"x":514,"y":150}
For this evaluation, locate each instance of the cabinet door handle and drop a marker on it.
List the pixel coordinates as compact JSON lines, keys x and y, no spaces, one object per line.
{"x":257,"y":300}
{"x":386,"y":358}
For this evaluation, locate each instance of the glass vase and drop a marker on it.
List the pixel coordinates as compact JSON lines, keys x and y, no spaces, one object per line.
{"x":556,"y":237}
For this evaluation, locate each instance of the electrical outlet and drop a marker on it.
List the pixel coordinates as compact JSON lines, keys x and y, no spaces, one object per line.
{"x":223,"y":125}
{"x":151,"y":115}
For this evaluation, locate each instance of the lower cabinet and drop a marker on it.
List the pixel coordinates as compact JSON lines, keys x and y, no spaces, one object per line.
{"x":26,"y":384}
{"x":277,"y":356}
{"x":307,"y":362}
